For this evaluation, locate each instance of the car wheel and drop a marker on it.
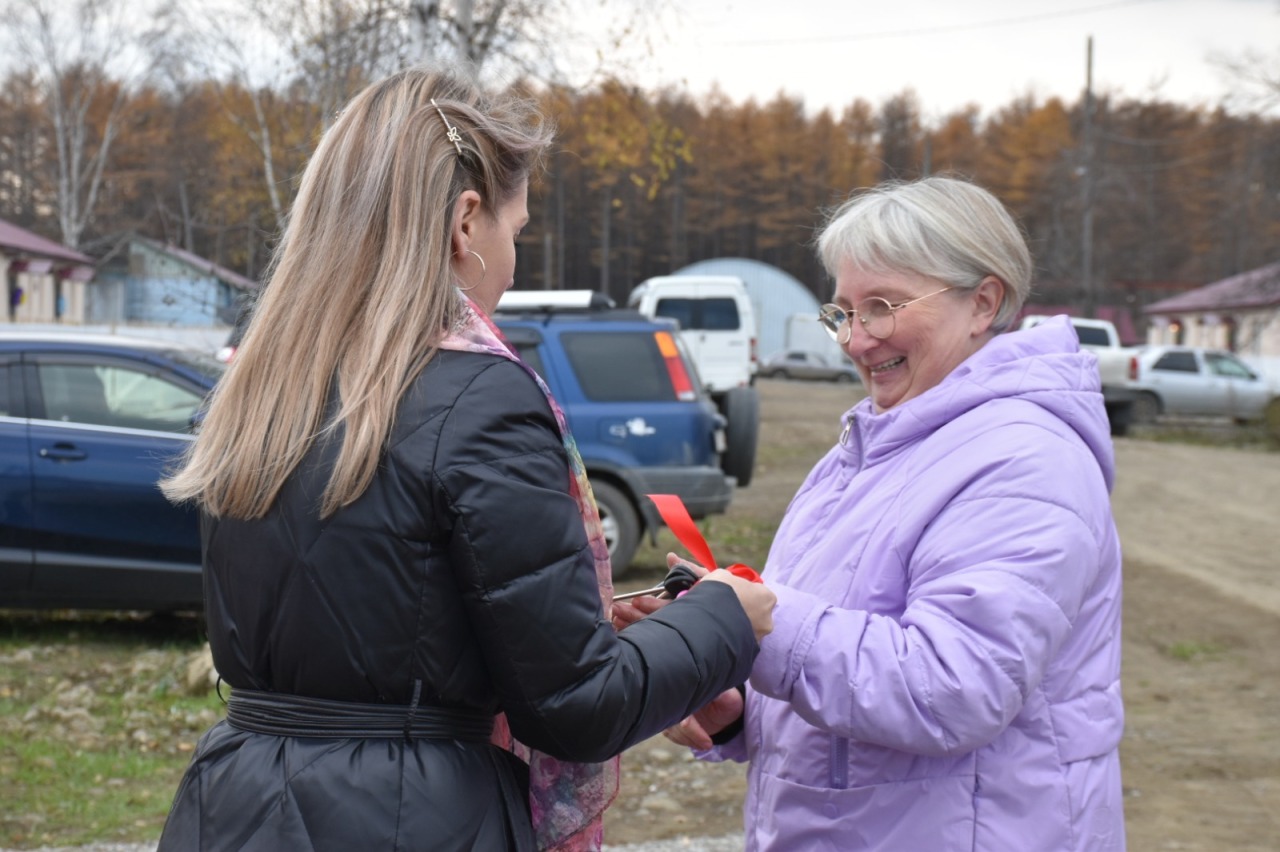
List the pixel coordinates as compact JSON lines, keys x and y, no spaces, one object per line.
{"x":1146,"y":408}
{"x":621,"y":526}
{"x":1119,"y":416}
{"x":843,"y":379}
{"x":742,"y":410}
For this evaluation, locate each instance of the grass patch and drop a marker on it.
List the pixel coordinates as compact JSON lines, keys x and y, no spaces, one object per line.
{"x":1191,"y":651}
{"x":732,"y":538}
{"x":98,"y":718}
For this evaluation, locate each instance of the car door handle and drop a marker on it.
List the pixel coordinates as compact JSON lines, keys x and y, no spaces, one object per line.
{"x":63,"y":452}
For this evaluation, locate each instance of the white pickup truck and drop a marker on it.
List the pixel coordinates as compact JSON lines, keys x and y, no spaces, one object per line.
{"x":1101,"y":338}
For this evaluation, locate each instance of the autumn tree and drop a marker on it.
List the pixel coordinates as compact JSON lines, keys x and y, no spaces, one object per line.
{"x":1025,"y":163}
{"x":955,"y":146}
{"x":87,"y":56}
{"x":899,"y":128}
{"x":27,"y":170}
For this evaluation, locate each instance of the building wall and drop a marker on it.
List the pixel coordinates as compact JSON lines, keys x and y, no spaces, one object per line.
{"x":165,"y":290}
{"x":173,"y":301}
{"x":39,"y":299}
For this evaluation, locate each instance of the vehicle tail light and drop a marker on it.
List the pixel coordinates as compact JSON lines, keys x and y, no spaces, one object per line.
{"x":675,"y":367}
{"x":1133,"y":368}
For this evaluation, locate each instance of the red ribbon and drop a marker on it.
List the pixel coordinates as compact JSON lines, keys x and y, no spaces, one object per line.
{"x":676,"y":517}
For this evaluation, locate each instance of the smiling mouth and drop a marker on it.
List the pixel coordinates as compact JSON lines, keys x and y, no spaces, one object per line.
{"x":887,"y":365}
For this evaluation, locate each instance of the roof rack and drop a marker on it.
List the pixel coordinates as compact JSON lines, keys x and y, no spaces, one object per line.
{"x":557,"y":301}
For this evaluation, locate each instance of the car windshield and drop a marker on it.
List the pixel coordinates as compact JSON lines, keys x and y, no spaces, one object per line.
{"x":1224,"y":365}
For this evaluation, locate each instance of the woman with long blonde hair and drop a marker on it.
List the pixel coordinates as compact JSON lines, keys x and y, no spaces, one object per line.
{"x":406,"y":585}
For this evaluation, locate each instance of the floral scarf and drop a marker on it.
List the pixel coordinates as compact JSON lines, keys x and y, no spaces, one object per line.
{"x":567,"y":800}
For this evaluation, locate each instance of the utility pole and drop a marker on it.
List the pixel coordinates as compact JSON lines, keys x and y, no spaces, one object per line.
{"x":1087,"y":191}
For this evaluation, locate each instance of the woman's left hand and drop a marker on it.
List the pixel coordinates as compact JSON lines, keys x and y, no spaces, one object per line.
{"x":630,"y":611}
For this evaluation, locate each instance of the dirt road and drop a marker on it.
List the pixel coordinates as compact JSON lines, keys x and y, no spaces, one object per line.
{"x":1201,"y":754}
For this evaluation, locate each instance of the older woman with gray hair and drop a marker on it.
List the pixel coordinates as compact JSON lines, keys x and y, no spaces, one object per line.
{"x":944,"y":669}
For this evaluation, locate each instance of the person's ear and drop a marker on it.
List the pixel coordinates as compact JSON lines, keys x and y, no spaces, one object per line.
{"x":988,"y":296}
{"x":466,"y":210}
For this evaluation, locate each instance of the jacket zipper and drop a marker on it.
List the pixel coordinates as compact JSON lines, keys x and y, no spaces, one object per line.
{"x":839,"y":763}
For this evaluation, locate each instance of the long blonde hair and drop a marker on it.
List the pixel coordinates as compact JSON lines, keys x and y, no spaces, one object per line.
{"x":360,"y":291}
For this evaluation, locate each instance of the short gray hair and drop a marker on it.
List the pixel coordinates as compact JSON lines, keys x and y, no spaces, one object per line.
{"x":939,"y":227}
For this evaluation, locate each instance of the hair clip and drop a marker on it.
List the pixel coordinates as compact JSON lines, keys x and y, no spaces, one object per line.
{"x":454,"y":136}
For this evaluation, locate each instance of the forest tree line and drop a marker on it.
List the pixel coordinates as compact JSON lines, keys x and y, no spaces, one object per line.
{"x":1123,"y":200}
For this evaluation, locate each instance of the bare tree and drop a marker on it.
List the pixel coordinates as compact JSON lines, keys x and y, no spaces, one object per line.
{"x":87,"y":57}
{"x":260,"y":53}
{"x":575,"y":42}
{"x":1257,"y":76}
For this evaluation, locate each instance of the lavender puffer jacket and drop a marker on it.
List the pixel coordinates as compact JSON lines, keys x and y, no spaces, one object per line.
{"x":944,"y":671}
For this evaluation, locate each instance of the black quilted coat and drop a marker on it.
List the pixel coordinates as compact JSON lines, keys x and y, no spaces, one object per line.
{"x":462,"y":572}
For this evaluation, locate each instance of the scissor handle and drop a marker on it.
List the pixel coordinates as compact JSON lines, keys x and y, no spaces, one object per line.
{"x":679,"y":579}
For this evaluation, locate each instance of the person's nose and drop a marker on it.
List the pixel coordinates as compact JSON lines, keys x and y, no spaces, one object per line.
{"x":858,"y":340}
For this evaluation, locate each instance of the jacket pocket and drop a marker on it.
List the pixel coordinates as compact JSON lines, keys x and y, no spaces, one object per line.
{"x":900,"y":816}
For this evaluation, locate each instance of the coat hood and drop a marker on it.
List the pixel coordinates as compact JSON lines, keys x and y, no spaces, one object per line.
{"x":1043,"y":365}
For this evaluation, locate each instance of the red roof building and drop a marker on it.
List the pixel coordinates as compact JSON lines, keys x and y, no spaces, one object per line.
{"x":1240,"y":313}
{"x":45,"y":281}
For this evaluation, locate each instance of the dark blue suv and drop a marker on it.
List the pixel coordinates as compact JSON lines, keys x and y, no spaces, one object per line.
{"x":87,"y":425}
{"x":634,"y":404}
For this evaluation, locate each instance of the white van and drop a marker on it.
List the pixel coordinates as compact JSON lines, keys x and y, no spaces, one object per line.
{"x":716,"y":320}
{"x":718,"y":326}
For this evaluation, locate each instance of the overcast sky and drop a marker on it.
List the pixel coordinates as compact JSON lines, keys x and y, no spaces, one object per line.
{"x":952,"y":52}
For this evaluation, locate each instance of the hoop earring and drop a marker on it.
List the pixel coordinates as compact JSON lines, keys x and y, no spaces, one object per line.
{"x":484,"y":270}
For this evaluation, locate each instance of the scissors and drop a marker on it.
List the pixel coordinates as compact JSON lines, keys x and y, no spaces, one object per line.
{"x":679,"y":579}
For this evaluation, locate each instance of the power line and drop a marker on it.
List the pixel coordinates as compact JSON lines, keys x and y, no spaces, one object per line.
{"x":940,"y":30}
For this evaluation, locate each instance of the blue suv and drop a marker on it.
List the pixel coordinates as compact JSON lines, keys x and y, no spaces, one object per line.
{"x":633,"y":402}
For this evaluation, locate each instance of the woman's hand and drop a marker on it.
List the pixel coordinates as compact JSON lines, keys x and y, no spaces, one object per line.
{"x":697,"y":730}
{"x":756,"y":599}
{"x":632,"y":610}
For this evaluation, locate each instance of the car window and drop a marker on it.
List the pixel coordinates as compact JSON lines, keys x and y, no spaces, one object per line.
{"x":618,"y":366}
{"x":680,"y":310}
{"x":1091,"y":336}
{"x":720,"y":315}
{"x":529,"y":354}
{"x":1178,"y":362}
{"x":716,"y":314}
{"x":113,"y":395}
{"x":6,"y":408}
{"x":1225,"y":365}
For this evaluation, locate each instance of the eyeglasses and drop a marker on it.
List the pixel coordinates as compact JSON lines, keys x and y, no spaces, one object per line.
{"x":875,"y":314}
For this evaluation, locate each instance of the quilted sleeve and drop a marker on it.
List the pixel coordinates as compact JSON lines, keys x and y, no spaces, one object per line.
{"x":570,"y":685}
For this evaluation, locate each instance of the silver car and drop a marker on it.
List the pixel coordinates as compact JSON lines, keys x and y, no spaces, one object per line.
{"x":1191,"y":380}
{"x":800,"y":364}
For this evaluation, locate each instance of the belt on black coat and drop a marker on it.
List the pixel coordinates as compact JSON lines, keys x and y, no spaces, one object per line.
{"x":282,"y":715}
